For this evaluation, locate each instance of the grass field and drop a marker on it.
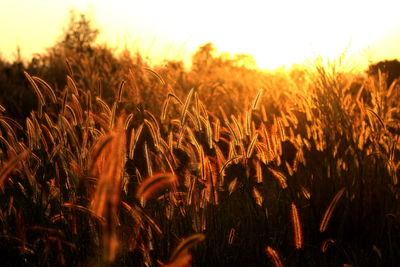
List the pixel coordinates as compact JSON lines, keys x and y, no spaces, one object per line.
{"x":107,"y":162}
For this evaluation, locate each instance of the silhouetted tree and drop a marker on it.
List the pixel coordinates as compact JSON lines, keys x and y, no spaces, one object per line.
{"x":80,"y":35}
{"x":203,"y":58}
{"x":15,"y":93}
{"x":390,"y":68}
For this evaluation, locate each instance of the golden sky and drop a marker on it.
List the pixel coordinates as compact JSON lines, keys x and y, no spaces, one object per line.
{"x":275,"y":32}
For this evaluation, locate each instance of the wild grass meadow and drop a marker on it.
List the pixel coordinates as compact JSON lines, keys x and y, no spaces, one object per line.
{"x":106,"y":161}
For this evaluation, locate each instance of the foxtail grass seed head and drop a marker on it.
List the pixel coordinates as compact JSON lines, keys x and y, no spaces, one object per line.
{"x":274,"y":256}
{"x":297,"y":228}
{"x":331,"y":208}
{"x":154,"y":184}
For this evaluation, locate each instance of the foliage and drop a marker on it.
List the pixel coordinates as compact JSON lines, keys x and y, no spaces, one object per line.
{"x":80,"y":35}
{"x":389,"y":68}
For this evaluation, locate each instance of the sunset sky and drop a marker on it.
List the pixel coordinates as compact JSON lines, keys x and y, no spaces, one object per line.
{"x":275,"y":32}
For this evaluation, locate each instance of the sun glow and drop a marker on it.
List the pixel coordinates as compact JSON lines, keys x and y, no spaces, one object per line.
{"x":276,"y":33}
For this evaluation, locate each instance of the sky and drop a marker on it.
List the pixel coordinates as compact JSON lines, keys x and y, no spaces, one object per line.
{"x":275,"y":32}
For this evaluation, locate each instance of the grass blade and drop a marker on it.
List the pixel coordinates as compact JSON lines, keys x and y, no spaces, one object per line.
{"x":186,"y":106}
{"x":9,"y":166}
{"x":329,"y":211}
{"x":182,"y":249}
{"x":257,"y":99}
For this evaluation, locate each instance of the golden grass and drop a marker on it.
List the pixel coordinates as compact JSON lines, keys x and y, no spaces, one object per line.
{"x":297,"y":229}
{"x":219,"y":165}
{"x":182,"y":249}
{"x":329,"y":211}
{"x":153,"y":184}
{"x":276,"y":260}
{"x":108,"y":166}
{"x":10,"y":166}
